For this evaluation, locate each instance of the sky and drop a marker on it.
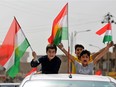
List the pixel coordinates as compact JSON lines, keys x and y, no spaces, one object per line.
{"x":36,"y":17}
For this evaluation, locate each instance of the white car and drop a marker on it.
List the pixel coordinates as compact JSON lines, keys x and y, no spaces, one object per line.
{"x":67,"y":80}
{"x":9,"y":84}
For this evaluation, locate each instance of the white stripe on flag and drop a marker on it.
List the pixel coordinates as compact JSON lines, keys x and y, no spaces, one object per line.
{"x":108,"y":32}
{"x":19,"y":38}
{"x":63,"y":21}
{"x":10,"y":62}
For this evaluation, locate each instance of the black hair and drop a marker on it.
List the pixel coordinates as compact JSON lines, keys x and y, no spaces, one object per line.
{"x":79,"y":45}
{"x":51,"y":46}
{"x":85,"y":52}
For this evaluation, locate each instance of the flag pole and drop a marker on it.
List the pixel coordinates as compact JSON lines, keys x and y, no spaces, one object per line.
{"x":68,"y":42}
{"x":23,"y":34}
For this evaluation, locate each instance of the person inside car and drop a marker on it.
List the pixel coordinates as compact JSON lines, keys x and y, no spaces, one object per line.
{"x":50,"y":63}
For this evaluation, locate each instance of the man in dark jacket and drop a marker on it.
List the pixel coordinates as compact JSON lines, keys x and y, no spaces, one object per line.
{"x":50,"y":63}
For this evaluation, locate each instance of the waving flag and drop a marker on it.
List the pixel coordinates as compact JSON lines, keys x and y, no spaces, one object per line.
{"x":13,"y":48}
{"x":60,"y":28}
{"x":108,"y":32}
{"x":33,"y":70}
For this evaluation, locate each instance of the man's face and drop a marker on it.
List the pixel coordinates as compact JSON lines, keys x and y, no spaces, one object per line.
{"x":78,"y":51}
{"x":51,"y":53}
{"x":85,"y":59}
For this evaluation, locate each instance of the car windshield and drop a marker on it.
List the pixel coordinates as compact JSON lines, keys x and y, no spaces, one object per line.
{"x":9,"y":85}
{"x":69,"y":83}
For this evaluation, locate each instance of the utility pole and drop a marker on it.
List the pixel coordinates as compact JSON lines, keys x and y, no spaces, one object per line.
{"x":108,"y":19}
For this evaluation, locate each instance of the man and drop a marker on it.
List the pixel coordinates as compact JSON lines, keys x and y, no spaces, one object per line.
{"x":50,"y":63}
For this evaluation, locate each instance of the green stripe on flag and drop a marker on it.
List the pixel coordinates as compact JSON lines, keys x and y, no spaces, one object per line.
{"x":107,"y":38}
{"x":64,"y":33}
{"x":58,"y":36}
{"x":19,"y":52}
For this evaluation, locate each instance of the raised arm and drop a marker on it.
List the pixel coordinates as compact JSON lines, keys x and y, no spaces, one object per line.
{"x":97,"y":53}
{"x":34,"y":62}
{"x":61,"y":47}
{"x":103,"y":52}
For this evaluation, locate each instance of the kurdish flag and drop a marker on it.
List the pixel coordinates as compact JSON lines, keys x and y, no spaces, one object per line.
{"x":60,"y":28}
{"x":108,"y":33}
{"x":13,"y":48}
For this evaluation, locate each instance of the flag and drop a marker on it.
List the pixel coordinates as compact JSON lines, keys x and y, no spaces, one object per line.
{"x":33,"y":70}
{"x":60,"y":27}
{"x":98,"y":72}
{"x":13,"y":48}
{"x":108,"y":33}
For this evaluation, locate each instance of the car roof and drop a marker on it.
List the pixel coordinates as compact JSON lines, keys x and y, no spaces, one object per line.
{"x":66,"y":77}
{"x":69,"y":77}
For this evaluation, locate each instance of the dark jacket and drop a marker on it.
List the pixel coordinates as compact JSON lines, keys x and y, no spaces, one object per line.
{"x":47,"y":66}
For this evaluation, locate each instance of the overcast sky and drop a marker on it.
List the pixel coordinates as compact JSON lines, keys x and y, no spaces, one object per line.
{"x":36,"y":17}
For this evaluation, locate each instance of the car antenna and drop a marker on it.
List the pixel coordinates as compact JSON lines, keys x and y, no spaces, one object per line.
{"x":70,"y":76}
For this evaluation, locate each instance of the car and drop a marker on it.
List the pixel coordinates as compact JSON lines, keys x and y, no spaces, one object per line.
{"x":67,"y":80}
{"x":9,"y":84}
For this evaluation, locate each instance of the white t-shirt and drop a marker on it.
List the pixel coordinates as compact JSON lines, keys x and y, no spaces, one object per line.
{"x":88,"y":70}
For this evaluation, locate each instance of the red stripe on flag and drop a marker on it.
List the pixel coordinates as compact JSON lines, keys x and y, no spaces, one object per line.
{"x":103,"y":30}
{"x":7,"y":46}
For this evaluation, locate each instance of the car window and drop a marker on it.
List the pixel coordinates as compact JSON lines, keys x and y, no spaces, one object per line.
{"x":9,"y":85}
{"x":69,"y":83}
